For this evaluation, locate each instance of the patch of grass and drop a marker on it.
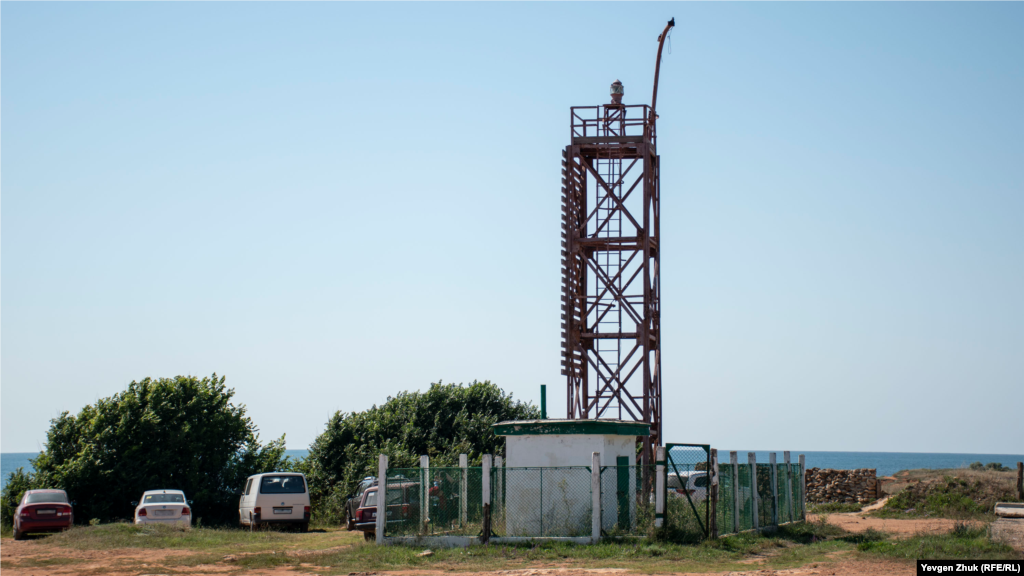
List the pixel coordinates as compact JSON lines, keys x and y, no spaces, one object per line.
{"x":810,"y":532}
{"x":265,"y":560}
{"x":869,"y":535}
{"x":963,"y":542}
{"x":779,"y":550}
{"x":223,"y":540}
{"x":833,"y":508}
{"x":949,"y":497}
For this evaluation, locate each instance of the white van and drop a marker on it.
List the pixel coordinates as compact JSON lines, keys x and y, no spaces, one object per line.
{"x":275,"y":498}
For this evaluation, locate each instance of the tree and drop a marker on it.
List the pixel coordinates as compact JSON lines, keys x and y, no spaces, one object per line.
{"x":17,"y":483}
{"x":443,"y":422}
{"x":178,"y":433}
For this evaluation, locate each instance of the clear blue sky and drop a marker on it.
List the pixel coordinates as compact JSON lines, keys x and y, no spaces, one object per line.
{"x":331,"y":203}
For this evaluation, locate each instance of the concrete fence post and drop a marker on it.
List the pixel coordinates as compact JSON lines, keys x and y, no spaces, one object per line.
{"x":382,"y":494}
{"x":789,"y":484}
{"x":775,"y":488}
{"x":754,"y":500}
{"x":734,"y":460}
{"x":499,"y":485}
{"x":464,"y":490}
{"x":485,"y":488}
{"x":659,"y":487}
{"x":485,"y":480}
{"x":424,"y":494}
{"x":1020,"y":481}
{"x":803,"y":488}
{"x":595,"y":497}
{"x":714,"y":494}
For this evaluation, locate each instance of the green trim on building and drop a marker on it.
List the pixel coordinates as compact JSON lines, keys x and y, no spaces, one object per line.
{"x":535,"y":427}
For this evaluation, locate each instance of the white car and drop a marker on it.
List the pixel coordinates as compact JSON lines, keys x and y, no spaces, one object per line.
{"x":275,"y":498}
{"x":163,"y":507}
{"x":696,"y":484}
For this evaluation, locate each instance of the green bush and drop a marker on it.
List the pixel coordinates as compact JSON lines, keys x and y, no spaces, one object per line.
{"x":17,"y":483}
{"x":180,"y":433}
{"x":443,"y":422}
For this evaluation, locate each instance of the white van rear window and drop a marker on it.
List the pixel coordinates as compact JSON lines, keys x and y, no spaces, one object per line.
{"x":282,"y":485}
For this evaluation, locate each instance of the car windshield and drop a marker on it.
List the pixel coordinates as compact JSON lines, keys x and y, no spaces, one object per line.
{"x":163,"y":499}
{"x":282,"y":485}
{"x":46,"y":497}
{"x":701,"y":482}
{"x":371,"y":499}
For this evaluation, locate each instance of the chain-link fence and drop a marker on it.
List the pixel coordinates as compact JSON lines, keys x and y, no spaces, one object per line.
{"x":702,"y":498}
{"x":541,"y":502}
{"x":434,"y":501}
{"x":627,"y":503}
{"x":688,"y":491}
{"x":768,"y":494}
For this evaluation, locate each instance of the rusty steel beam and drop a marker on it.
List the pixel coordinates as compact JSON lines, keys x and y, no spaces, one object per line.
{"x":611,"y":309}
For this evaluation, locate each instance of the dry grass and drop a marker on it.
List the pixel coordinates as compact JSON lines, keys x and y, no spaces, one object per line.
{"x":959,"y":493}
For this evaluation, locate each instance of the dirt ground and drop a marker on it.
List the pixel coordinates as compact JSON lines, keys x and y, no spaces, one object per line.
{"x":900,"y":528}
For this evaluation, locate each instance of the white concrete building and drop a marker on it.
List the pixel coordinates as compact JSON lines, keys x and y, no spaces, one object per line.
{"x":541,"y":501}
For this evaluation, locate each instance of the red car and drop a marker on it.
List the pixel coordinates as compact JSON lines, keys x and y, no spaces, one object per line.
{"x":42,"y":511}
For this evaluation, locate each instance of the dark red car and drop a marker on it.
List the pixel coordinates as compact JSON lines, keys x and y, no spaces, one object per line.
{"x":42,"y":511}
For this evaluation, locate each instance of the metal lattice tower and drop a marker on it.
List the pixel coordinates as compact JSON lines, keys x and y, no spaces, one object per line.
{"x":611,"y":281}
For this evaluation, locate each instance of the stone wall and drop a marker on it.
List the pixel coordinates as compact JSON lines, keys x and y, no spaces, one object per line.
{"x":825,"y":485}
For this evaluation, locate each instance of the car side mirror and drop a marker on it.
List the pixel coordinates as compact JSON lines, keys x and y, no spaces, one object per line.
{"x":74,"y":503}
{"x":189,"y":502}
{"x":135,"y":502}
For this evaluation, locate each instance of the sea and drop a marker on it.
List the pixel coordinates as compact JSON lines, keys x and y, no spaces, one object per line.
{"x":885,"y":463}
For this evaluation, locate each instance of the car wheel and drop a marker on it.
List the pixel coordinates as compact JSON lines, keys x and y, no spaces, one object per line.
{"x":350,"y":522}
{"x":304,"y":527}
{"x":18,"y":534}
{"x":369,"y":536}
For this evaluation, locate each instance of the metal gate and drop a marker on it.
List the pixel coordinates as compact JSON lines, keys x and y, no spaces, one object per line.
{"x":688,"y":485}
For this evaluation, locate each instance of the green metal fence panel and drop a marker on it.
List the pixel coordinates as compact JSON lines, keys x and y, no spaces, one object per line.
{"x":746,"y":497}
{"x":726,"y":505}
{"x":454,"y":503}
{"x":780,"y":489}
{"x":688,"y":490}
{"x":541,"y":501}
{"x":403,"y":498}
{"x":798,"y":496}
{"x":766,"y":502}
{"x":626,"y":509}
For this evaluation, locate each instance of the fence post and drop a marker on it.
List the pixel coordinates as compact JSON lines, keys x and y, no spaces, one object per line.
{"x":803,"y":489}
{"x":485,"y":487}
{"x":789,"y":483}
{"x":382,"y":494}
{"x":1020,"y":481}
{"x":464,"y":490}
{"x":735,"y":492}
{"x":498,"y":503}
{"x":659,"y":487}
{"x":595,"y":497}
{"x":714,"y":493}
{"x":775,"y":488}
{"x":424,"y":493}
{"x":755,"y":508}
